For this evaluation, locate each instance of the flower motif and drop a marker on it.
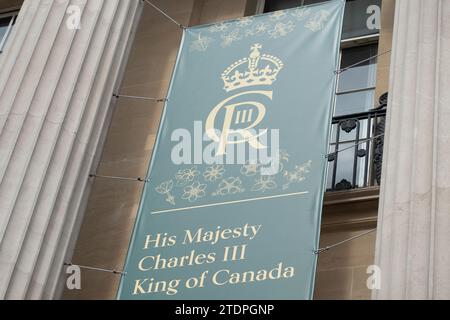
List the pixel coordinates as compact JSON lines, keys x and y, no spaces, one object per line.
{"x":214,"y":173}
{"x":228,"y":39}
{"x":258,"y":29}
{"x":183,"y":177}
{"x":277,"y":15}
{"x":165,"y":188}
{"x":194,"y":192}
{"x":317,"y":21}
{"x":229,"y":186}
{"x":201,"y":44}
{"x":298,"y":175}
{"x":281,"y":29}
{"x":265,"y":183}
{"x":301,"y":13}
{"x":250,"y":170}
{"x":284,"y":156}
{"x":244,"y":22}
{"x":219,"y":27}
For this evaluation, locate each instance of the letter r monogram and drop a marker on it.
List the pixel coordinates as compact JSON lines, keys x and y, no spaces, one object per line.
{"x":246,"y":134}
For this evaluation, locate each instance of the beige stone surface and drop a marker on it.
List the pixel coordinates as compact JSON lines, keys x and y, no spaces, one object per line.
{"x":341,"y":272}
{"x":56,"y":85}
{"x":385,"y":44}
{"x":414,"y":221}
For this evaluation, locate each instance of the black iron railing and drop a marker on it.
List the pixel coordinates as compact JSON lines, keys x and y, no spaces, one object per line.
{"x":357,"y":149}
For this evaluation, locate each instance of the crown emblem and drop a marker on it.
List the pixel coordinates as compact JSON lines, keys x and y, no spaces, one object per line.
{"x":236,"y":76}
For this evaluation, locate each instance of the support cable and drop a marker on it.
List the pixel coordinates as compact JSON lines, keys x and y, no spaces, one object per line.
{"x":361,"y":62}
{"x":354,"y":146}
{"x":344,"y":242}
{"x":164,"y":14}
{"x":122,"y":273}
{"x":118,"y":178}
{"x":140,"y":98}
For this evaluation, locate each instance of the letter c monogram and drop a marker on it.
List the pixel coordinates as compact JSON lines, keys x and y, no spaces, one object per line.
{"x":245,"y":133}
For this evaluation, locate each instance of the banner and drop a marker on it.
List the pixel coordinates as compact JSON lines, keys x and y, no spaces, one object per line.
{"x":232,"y":208}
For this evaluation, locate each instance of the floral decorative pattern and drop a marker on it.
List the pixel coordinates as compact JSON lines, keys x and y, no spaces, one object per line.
{"x":277,"y":15}
{"x":245,"y":22}
{"x":281,"y":29}
{"x":250,"y":170}
{"x":201,"y":44}
{"x":188,"y":188}
{"x":265,"y":183}
{"x":317,"y":21}
{"x":165,"y":188}
{"x":258,"y":29}
{"x":228,"y":39}
{"x":301,"y":13}
{"x":229,"y":186}
{"x":298,"y":175}
{"x":278,"y":25}
{"x":214,"y":173}
{"x":219,"y":27}
{"x":183,"y":177}
{"x":283,"y":158}
{"x":194,"y":192}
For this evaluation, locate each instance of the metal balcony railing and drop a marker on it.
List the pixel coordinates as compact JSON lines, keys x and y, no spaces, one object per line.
{"x":356,"y":150}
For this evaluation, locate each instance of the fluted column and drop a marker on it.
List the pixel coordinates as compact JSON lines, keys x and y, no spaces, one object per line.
{"x":56,"y":88}
{"x":414,"y":220}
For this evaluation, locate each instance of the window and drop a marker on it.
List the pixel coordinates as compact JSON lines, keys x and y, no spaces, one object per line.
{"x":356,"y":86}
{"x":275,"y":5}
{"x":355,"y":120}
{"x":358,"y":20}
{"x":7,"y":21}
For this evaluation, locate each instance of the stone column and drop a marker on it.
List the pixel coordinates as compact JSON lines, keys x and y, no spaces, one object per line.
{"x":56,"y":88}
{"x":111,"y":212}
{"x":414,"y":220}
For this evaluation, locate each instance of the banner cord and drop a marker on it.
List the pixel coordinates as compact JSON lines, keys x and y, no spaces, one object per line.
{"x":164,"y":14}
{"x":337,"y":72}
{"x":140,"y":98}
{"x":317,"y":252}
{"x":118,"y":178}
{"x":122,"y":273}
{"x":354,"y":146}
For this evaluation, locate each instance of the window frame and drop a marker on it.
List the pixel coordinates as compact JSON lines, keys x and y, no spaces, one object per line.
{"x":348,"y":44}
{"x":13,"y":14}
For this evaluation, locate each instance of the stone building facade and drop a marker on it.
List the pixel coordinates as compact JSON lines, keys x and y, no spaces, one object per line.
{"x":60,"y":122}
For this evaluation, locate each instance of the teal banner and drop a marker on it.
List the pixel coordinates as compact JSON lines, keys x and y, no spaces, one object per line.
{"x":232,"y":206}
